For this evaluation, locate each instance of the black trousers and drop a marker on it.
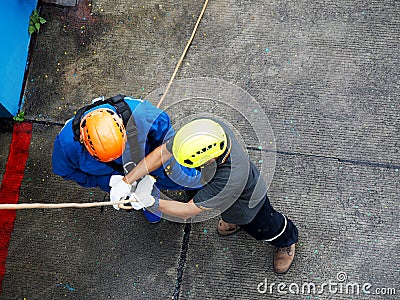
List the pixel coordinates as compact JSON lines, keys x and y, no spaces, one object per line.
{"x":268,"y":223}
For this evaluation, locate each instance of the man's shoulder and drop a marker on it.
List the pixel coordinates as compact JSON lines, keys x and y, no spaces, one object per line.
{"x":65,"y":138}
{"x":216,"y":178}
{"x":142,"y":107}
{"x":66,"y":132}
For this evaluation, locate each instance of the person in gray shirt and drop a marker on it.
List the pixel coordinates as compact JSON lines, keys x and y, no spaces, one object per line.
{"x":231,"y":184}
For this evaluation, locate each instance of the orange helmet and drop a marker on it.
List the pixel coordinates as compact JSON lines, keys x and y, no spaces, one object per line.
{"x":103,"y":133}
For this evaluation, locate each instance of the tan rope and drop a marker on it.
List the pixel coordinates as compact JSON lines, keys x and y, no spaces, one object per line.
{"x":183,"y":54}
{"x":60,"y":205}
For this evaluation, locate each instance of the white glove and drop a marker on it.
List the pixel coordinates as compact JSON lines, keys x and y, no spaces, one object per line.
{"x":142,"y":196}
{"x":140,"y":201}
{"x":119,"y":189}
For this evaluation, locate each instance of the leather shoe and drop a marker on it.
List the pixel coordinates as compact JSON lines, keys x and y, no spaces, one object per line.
{"x":283,"y":258}
{"x":226,"y":229}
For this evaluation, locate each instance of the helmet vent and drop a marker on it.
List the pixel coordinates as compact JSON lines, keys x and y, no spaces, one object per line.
{"x":188,"y":161}
{"x":205,"y":149}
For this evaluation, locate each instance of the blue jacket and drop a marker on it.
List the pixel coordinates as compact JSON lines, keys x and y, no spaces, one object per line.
{"x":72,"y":162}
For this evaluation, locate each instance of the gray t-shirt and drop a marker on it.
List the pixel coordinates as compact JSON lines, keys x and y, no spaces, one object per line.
{"x":233,"y":184}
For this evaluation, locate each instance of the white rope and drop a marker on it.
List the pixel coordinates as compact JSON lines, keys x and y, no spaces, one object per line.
{"x":60,"y":205}
{"x":183,"y":54}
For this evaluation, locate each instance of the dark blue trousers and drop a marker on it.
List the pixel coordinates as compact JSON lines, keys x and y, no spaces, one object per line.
{"x":269,"y":223}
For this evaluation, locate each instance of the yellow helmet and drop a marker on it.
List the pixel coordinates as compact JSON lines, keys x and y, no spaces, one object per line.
{"x":199,"y":141}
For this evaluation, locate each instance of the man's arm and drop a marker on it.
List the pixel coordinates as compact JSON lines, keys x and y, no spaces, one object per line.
{"x":151,"y":162}
{"x":179,"y":209}
{"x":65,"y":165}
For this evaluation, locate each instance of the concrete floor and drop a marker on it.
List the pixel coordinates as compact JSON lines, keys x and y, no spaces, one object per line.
{"x":311,"y":87}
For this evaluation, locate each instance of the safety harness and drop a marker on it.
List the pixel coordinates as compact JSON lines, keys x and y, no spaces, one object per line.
{"x":125,"y":112}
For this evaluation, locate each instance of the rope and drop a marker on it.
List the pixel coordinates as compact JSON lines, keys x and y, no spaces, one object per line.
{"x":60,"y":205}
{"x":183,"y":54}
{"x":94,"y":204}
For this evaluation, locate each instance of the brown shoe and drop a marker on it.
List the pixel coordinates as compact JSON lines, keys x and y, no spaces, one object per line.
{"x":283,"y":258}
{"x":225,"y":228}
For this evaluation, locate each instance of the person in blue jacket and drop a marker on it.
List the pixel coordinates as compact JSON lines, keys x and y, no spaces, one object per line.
{"x":107,"y":138}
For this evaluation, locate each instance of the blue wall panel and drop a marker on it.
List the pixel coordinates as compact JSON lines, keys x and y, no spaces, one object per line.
{"x":14,"y":44}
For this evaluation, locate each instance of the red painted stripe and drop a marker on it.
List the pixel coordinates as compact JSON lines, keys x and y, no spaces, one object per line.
{"x":11,"y":184}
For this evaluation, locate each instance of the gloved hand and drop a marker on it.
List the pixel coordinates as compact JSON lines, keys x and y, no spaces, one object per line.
{"x":141,"y":200}
{"x":142,"y":197}
{"x":119,"y":189}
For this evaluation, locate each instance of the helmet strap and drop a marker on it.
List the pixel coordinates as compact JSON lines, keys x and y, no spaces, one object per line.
{"x":227,"y":153}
